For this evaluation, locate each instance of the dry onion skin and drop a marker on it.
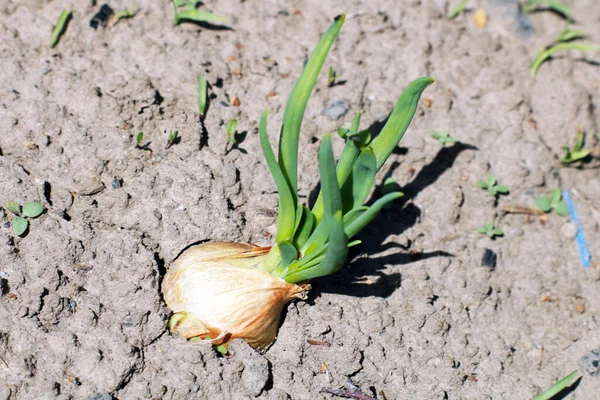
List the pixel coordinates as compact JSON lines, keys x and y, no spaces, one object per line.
{"x":221,"y":291}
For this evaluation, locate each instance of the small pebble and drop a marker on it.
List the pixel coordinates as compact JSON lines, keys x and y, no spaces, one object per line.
{"x":568,"y":231}
{"x":590,"y":362}
{"x":117,"y":182}
{"x":480,"y":18}
{"x":337,"y":109}
{"x":489,"y":259}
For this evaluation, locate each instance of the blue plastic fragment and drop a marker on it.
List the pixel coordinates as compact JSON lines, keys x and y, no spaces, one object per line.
{"x":584,"y":250}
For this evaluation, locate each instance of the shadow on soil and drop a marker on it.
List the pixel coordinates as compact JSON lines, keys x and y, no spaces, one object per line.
{"x":398,"y":219}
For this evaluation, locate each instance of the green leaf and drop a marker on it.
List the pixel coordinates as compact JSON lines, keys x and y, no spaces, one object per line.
{"x":555,"y":196}
{"x":13,"y":207}
{"x":288,"y":254}
{"x":139,"y":138}
{"x":502,"y":189}
{"x":202,"y":90}
{"x":337,"y":249}
{"x":389,"y":185}
{"x":173,"y":138}
{"x":287,"y":214}
{"x":196,"y":16}
{"x":343,"y":168}
{"x":578,"y":142}
{"x":353,"y":215}
{"x":19,"y":225}
{"x":545,"y":54}
{"x":493,"y":191}
{"x":356,"y":189}
{"x":399,"y":120}
{"x":32,"y":209}
{"x":497,"y":232}
{"x":552,"y":4}
{"x":490,"y":233}
{"x":296,"y":105}
{"x":569,"y":34}
{"x":482,"y":184}
{"x":60,"y":27}
{"x":305,"y":227}
{"x":457,"y":9}
{"x":482,"y":229}
{"x":221,"y":349}
{"x":575,"y":156}
{"x":562,"y":209}
{"x":449,"y":140}
{"x":369,"y":215}
{"x":544,"y":203}
{"x":557,"y":387}
{"x":231,"y":128}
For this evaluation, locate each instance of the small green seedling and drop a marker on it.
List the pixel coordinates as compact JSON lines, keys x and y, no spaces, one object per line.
{"x":332,"y":77}
{"x":139,"y":139}
{"x":202,"y":89}
{"x":553,"y":202}
{"x":491,"y":185}
{"x":443,"y":137}
{"x":543,"y":55}
{"x":490,"y":230}
{"x":569,"y":34}
{"x":125,"y":14}
{"x":60,"y":27}
{"x":551,"y":4}
{"x":576,"y":153}
{"x":457,"y":10}
{"x":557,"y":387}
{"x":231,"y":129}
{"x":31,"y":209}
{"x":173,"y":138}
{"x":186,"y":11}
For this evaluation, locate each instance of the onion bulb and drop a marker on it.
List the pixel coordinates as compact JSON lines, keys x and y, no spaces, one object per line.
{"x":216,"y":291}
{"x":222,"y":291}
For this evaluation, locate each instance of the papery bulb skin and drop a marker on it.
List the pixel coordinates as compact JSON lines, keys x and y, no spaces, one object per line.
{"x":217,"y":291}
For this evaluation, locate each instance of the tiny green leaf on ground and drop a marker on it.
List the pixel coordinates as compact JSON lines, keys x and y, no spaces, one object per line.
{"x":544,"y":203}
{"x":13,"y":207}
{"x":577,"y":153}
{"x":231,"y":129}
{"x":201,"y":95}
{"x":186,"y":11}
{"x":32,"y":209}
{"x":553,"y":202}
{"x":490,"y":230}
{"x":557,"y":387}
{"x":332,"y":77}
{"x":546,"y":54}
{"x":569,"y":34}
{"x":552,"y":4}
{"x":125,"y":14}
{"x":61,"y":26}
{"x":19,"y":225}
{"x":173,"y":138}
{"x":491,"y":185}
{"x":443,"y":137}
{"x":139,"y":139}
{"x":457,"y":9}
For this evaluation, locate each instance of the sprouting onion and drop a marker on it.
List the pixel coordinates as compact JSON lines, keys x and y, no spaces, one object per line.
{"x":220,"y":291}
